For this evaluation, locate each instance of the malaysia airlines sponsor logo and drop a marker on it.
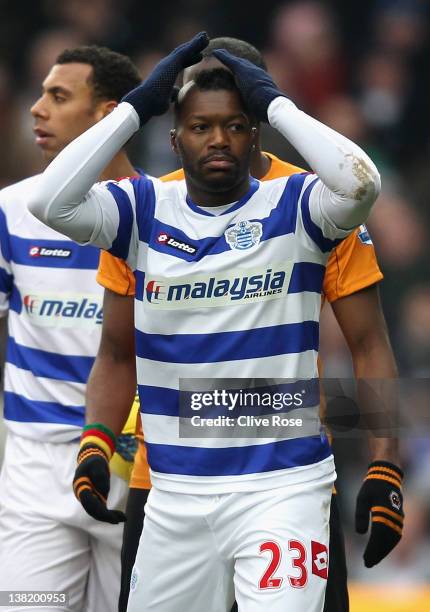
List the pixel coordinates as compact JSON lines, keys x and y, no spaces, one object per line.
{"x":155,"y":291}
{"x":40,"y":251}
{"x":244,"y":235}
{"x":175,"y":243}
{"x":63,"y":310}
{"x":220,"y":288}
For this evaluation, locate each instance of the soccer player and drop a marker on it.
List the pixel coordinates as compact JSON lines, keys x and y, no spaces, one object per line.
{"x":209,"y":517}
{"x":349,"y":285}
{"x":49,"y":291}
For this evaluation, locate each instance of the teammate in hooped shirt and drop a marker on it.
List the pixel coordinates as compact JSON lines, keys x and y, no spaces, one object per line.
{"x":209,"y":518}
{"x":48,"y":291}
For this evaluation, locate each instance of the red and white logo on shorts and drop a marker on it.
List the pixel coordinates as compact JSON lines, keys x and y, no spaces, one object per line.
{"x":319,"y":560}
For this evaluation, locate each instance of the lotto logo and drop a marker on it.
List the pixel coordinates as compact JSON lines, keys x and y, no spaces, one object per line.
{"x":38,"y":251}
{"x":319,"y":560}
{"x":164,"y":238}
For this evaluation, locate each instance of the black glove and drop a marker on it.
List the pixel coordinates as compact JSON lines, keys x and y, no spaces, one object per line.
{"x":153,"y":96}
{"x":91,"y":484}
{"x":255,"y":84}
{"x":381,"y":495}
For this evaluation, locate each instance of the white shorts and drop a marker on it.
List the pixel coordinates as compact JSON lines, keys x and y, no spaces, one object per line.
{"x":47,"y":541}
{"x":268,"y":549}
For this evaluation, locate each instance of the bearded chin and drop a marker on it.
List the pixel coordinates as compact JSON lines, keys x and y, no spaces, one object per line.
{"x":216,"y":182}
{"x":220,"y":184}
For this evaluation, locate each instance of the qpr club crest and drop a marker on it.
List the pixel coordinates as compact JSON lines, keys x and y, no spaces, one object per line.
{"x":244,"y":235}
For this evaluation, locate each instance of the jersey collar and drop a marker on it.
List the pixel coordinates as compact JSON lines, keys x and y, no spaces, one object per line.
{"x":254,"y":185}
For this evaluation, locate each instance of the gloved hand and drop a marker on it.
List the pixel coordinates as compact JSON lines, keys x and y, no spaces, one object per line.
{"x":381,"y":495}
{"x":256,"y":86}
{"x":153,"y":96}
{"x":91,"y":482}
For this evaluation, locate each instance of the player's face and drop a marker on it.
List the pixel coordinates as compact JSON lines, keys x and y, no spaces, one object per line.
{"x":65,"y":109}
{"x":214,"y":138}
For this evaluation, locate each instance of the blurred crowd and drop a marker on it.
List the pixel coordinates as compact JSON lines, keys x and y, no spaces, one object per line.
{"x":360,"y":67}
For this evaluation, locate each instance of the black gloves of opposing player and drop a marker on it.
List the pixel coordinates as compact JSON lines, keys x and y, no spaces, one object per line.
{"x":256,"y":86}
{"x":153,"y":96}
{"x":91,"y":484}
{"x":381,"y":495}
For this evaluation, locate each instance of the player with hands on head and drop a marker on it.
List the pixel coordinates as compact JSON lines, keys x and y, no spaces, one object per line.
{"x":207,"y":496}
{"x":350,"y":286}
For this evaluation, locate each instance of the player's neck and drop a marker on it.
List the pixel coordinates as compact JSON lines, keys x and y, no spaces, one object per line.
{"x":119,"y":167}
{"x":201,"y":197}
{"x":260,"y":163}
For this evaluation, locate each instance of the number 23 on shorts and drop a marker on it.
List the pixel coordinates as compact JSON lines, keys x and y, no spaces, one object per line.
{"x":299,"y":563}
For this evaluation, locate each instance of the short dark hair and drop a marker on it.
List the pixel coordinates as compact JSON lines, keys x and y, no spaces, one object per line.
{"x":237,"y":47}
{"x":113,"y":75}
{"x":215,"y":79}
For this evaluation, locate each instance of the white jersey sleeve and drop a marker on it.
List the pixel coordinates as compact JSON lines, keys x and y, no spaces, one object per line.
{"x":65,"y":198}
{"x":66,"y":201}
{"x":318,"y":228}
{"x":118,"y":205}
{"x":349,"y":181}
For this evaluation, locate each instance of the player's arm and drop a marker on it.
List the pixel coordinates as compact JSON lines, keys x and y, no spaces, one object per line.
{"x":65,"y":198}
{"x":380,"y":498}
{"x":363,"y":325}
{"x":349,"y":181}
{"x":110,"y":391}
{"x":111,"y":386}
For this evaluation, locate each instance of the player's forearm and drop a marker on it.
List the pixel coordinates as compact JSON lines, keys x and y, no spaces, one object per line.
{"x":352,"y":180}
{"x":110,"y":392}
{"x":61,"y":199}
{"x":374,"y":358}
{"x":376,"y":370}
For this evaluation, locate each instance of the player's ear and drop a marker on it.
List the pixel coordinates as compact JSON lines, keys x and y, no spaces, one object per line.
{"x":104,"y":108}
{"x":173,"y":141}
{"x":254,"y":134}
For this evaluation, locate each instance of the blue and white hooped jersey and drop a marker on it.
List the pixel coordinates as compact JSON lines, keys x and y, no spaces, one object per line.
{"x":234,"y":295}
{"x":54,"y":304}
